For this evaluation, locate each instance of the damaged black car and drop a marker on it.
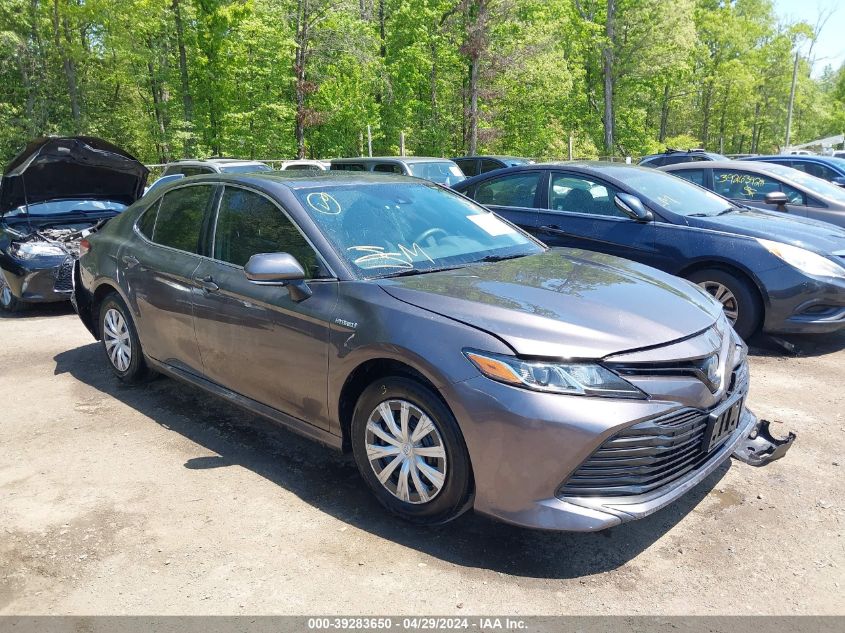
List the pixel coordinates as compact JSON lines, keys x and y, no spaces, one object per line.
{"x":52,"y":195}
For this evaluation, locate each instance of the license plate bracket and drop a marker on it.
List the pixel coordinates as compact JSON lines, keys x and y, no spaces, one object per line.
{"x":721,"y":423}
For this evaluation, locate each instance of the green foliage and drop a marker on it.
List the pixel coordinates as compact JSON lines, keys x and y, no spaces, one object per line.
{"x":686,"y":73}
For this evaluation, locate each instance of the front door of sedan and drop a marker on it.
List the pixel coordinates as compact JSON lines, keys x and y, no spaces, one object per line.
{"x":581,"y":213}
{"x":256,"y":339}
{"x":750,"y":188}
{"x":157,"y":270}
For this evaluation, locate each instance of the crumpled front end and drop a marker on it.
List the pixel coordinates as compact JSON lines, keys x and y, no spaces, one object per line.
{"x":578,"y":463}
{"x":38,"y":266}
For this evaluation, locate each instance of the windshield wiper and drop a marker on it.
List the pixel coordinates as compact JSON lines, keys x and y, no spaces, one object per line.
{"x":498,"y":258}
{"x":418,"y":271}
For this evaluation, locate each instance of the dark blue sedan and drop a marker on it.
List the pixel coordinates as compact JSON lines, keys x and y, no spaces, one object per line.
{"x":781,"y":274}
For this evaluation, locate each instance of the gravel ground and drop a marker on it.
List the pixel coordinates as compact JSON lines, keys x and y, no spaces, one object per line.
{"x":163,"y":500}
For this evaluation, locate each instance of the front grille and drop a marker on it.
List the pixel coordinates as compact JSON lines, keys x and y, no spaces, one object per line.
{"x":648,"y":455}
{"x":64,"y":277}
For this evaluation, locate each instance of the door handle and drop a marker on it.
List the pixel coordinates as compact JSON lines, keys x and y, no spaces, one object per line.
{"x":130,"y":260}
{"x":553,"y":229}
{"x":207,"y":283}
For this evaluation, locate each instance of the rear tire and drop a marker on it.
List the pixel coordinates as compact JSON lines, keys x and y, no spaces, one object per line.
{"x":738,"y":297}
{"x":120,"y":341}
{"x":8,"y":301}
{"x":423,"y":473}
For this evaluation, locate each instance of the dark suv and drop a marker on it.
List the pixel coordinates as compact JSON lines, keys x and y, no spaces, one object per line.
{"x":674,"y":156}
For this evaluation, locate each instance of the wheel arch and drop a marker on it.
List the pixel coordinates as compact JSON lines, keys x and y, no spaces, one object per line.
{"x":732,"y":268}
{"x":102,"y":290}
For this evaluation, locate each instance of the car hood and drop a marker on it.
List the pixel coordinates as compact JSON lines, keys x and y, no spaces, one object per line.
{"x":781,"y":227}
{"x":78,"y":167}
{"x":564,"y":303}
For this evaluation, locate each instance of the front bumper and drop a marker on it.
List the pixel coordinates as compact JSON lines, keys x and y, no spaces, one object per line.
{"x":523,"y":445}
{"x":40,"y":280}
{"x":799,"y":304}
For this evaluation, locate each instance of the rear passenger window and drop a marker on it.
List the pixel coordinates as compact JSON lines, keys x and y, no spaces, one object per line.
{"x":693,"y":175}
{"x":249,"y":223}
{"x":180,"y":217}
{"x":513,"y":190}
{"x":388,"y":168}
{"x":469,"y":166}
{"x":347,"y":167}
{"x":489,"y":165}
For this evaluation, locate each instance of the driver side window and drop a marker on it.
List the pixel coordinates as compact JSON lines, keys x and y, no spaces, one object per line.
{"x":569,"y":193}
{"x":743,"y":185}
{"x":249,"y":223}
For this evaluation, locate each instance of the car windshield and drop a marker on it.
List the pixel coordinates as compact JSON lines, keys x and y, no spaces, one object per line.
{"x":386,"y":229}
{"x":444,"y":172}
{"x":244,"y":169}
{"x":68,"y":207}
{"x":815,"y":185}
{"x":672,"y":193}
{"x":515,"y":162}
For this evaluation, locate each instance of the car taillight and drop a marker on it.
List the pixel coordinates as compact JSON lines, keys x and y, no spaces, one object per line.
{"x":84,"y":247}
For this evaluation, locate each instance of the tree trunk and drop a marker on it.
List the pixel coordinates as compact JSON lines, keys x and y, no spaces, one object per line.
{"x":664,"y":113}
{"x":473,"y":107}
{"x":300,"y":60}
{"x":187,"y":99}
{"x":69,"y":68}
{"x":158,"y":110}
{"x":609,"y":119}
{"x":705,"y":107}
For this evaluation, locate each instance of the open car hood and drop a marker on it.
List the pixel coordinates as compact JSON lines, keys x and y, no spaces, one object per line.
{"x":79,"y":167}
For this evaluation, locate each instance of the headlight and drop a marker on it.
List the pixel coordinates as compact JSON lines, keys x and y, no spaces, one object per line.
{"x":585,"y":379}
{"x":806,"y":261}
{"x":28,"y":250}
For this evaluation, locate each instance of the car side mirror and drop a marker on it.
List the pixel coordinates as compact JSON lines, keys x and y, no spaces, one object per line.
{"x":776,"y":198}
{"x":633,"y":207}
{"x":839,"y":181}
{"x":278,"y":269}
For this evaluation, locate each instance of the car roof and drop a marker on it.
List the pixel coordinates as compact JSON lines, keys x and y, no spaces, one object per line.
{"x":215,"y":161}
{"x":499,"y":156}
{"x":590,"y":167}
{"x":398,"y":159}
{"x":807,"y":158}
{"x":306,"y":179}
{"x":723,"y":164}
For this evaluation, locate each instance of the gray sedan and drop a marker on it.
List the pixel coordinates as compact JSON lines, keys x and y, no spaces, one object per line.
{"x":768,"y":186}
{"x":463,"y":363}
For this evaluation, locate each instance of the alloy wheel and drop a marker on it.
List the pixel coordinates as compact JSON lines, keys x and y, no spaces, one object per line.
{"x":5,"y":292}
{"x":405,"y":451}
{"x":117,"y":340}
{"x":723,"y":295}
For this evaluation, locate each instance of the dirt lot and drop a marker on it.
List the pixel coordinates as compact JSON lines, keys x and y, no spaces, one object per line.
{"x":163,"y":500}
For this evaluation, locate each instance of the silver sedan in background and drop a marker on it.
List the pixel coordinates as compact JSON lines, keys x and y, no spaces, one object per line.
{"x":768,"y":186}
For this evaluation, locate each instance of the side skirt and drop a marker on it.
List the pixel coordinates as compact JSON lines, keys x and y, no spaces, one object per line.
{"x":294,"y":424}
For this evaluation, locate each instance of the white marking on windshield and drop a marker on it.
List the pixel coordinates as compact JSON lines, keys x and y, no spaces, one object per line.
{"x":322,"y":202}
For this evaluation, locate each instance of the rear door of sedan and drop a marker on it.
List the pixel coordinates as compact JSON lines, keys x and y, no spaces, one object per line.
{"x":256,"y":339}
{"x":157,"y":266}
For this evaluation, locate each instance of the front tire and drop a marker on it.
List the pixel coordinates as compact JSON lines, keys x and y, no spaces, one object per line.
{"x":120,"y":341}
{"x":8,"y":301}
{"x":410,"y":451}
{"x":738,"y":297}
